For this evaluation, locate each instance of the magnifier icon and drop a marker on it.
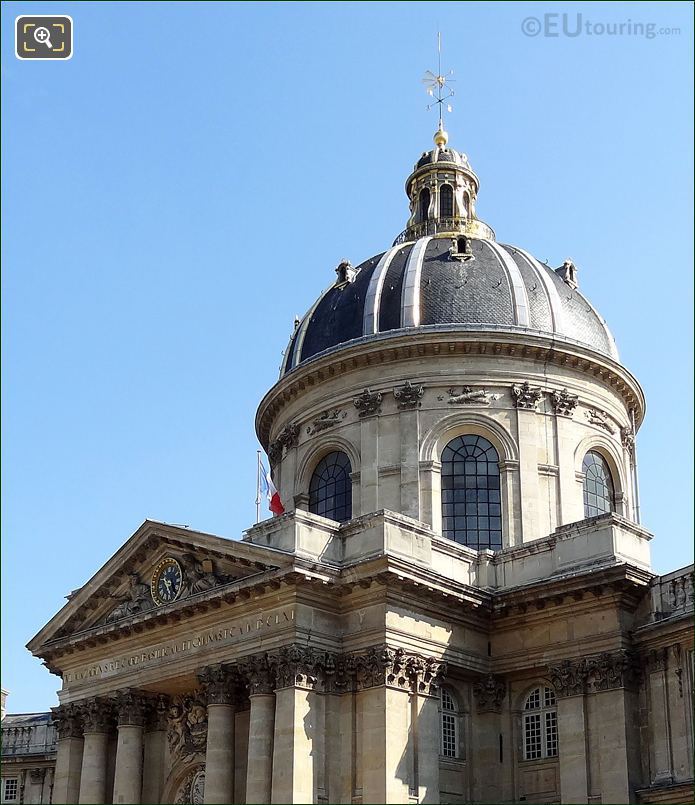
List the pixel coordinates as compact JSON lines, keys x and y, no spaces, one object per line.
{"x":43,"y":36}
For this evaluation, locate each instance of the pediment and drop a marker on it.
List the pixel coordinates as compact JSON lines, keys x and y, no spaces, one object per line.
{"x":121,"y":592}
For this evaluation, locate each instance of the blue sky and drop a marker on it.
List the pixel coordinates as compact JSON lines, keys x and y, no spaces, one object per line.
{"x":186,"y":184}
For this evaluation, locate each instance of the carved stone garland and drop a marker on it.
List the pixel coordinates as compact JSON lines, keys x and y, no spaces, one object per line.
{"x":563,"y":402}
{"x":526,"y":396}
{"x":600,"y":418}
{"x":408,"y":396}
{"x":470,"y":396}
{"x":368,"y":403}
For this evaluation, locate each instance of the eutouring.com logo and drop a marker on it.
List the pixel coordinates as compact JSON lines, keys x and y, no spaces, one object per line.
{"x":554,"y":25}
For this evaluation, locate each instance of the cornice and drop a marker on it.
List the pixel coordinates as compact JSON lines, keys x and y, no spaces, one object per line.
{"x":455,"y":340}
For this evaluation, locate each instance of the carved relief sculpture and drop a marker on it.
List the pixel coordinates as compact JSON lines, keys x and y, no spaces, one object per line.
{"x":563,"y":402}
{"x":526,"y":396}
{"x":188,"y":725}
{"x":627,"y":439}
{"x":328,"y":419}
{"x":471,"y":396}
{"x":139,"y":600}
{"x":368,"y":403}
{"x":600,"y":418}
{"x":489,"y":693}
{"x":199,"y":576}
{"x":408,"y":396}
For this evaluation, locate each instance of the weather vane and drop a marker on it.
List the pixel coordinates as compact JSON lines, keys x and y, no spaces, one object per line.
{"x":439,"y":84}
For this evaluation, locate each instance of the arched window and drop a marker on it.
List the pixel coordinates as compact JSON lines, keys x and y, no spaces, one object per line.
{"x":424,"y":204}
{"x":539,"y":727}
{"x":598,"y":485}
{"x":449,"y":724}
{"x":446,"y":201}
{"x":330,"y":488}
{"x":471,"y":508}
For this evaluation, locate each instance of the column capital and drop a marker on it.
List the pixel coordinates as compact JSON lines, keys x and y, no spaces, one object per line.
{"x":605,"y":671}
{"x":130,"y":707}
{"x":297,"y":666}
{"x":68,"y":721}
{"x":97,"y":714}
{"x":657,"y":659}
{"x":219,"y":683}
{"x":392,"y":667}
{"x":489,"y":693}
{"x":569,"y":678}
{"x":259,"y":674}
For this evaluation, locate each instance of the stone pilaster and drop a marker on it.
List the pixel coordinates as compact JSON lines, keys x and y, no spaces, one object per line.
{"x":154,"y":771}
{"x":298,"y":671}
{"x":97,"y":720}
{"x":660,"y":744}
{"x":219,"y":682}
{"x":66,"y":781}
{"x":612,"y":678}
{"x":260,"y":681}
{"x":130,"y":708}
{"x":489,"y":693}
{"x":569,"y":679}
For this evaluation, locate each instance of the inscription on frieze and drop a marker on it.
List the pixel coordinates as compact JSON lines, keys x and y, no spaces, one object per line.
{"x":170,"y":650}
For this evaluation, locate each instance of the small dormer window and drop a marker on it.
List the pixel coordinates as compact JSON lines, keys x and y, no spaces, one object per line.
{"x":345,"y":271}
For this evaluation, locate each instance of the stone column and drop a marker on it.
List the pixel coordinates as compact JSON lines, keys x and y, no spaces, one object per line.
{"x":487,"y":769}
{"x":259,"y":771}
{"x":154,"y":772}
{"x":97,"y":719}
{"x":218,"y":682}
{"x":127,"y":787}
{"x":66,"y":782}
{"x":569,"y":680}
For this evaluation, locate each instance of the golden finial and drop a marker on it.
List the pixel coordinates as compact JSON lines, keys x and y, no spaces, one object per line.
{"x":439,"y":83}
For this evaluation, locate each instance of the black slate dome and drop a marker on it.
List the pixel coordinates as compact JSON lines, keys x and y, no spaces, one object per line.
{"x":427,"y":284}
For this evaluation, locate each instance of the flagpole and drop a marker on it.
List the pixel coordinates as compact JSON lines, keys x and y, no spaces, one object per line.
{"x":258,"y":486}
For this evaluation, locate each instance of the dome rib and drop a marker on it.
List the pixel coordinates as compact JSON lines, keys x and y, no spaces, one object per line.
{"x":410,"y":298}
{"x":372,"y":302}
{"x":554,"y":302}
{"x":516,"y":283}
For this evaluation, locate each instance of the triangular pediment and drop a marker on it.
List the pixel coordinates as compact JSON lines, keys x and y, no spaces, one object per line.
{"x":124,"y":591}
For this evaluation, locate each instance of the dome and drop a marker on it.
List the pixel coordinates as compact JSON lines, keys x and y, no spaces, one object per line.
{"x":459,"y":283}
{"x":442,"y":155}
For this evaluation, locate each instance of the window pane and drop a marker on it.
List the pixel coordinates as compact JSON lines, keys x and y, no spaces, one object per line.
{"x":470,"y":465}
{"x":598,"y":485}
{"x":330,"y":489}
{"x":532,"y":736}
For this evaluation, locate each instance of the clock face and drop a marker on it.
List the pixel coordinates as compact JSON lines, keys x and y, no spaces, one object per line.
{"x":167,"y":580}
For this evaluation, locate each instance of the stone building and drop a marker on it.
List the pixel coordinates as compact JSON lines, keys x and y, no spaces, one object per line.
{"x":457,"y":605}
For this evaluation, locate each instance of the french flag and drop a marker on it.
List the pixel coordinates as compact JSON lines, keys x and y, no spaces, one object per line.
{"x":269,"y":490}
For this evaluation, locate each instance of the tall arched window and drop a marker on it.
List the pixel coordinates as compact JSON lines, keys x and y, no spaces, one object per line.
{"x":471,"y":508}
{"x":330,"y":488}
{"x":449,"y":724}
{"x":424,"y":204}
{"x":539,"y":724}
{"x":598,"y":485}
{"x":446,"y":201}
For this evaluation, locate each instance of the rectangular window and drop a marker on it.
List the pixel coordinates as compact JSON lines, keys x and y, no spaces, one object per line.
{"x":551,"y":734}
{"x":9,"y":789}
{"x":449,"y":735}
{"x":532,"y":736}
